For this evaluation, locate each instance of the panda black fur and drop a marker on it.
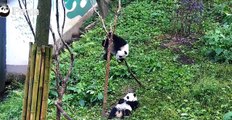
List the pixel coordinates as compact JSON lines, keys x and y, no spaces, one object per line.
{"x":120,"y":110}
{"x":131,"y":99}
{"x":120,"y":47}
{"x":124,"y":106}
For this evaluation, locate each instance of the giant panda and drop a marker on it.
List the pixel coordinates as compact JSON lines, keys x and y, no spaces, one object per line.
{"x":124,"y":106}
{"x":120,"y":48}
{"x":120,"y":110}
{"x":131,"y":99}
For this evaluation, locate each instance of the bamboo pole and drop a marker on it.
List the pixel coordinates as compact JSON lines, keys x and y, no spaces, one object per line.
{"x":48,"y":59}
{"x":31,"y":80}
{"x":36,"y":84}
{"x":41,"y":79}
{"x":26,"y":85}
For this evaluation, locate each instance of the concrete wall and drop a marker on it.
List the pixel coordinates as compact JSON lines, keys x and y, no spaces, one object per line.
{"x":19,"y":34}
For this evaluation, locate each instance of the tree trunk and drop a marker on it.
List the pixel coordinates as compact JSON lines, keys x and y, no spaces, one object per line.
{"x":103,"y":7}
{"x":2,"y":51}
{"x":43,"y":22}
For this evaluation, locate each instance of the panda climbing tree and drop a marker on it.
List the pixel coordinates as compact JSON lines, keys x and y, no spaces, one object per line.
{"x":120,"y":48}
{"x":114,"y":45}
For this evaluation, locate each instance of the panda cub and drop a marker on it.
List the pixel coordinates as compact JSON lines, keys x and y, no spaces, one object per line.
{"x":124,"y":106}
{"x":120,"y":48}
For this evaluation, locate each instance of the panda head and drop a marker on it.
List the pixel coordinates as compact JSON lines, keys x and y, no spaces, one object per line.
{"x":131,"y":100}
{"x":122,"y":53}
{"x":119,"y":114}
{"x":131,"y":97}
{"x":4,"y":10}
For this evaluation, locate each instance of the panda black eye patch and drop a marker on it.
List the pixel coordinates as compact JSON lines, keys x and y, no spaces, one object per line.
{"x":125,"y":52}
{"x":127,"y":97}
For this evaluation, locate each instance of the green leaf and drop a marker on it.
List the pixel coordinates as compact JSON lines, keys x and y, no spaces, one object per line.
{"x":100,"y":96}
{"x":227,"y":116}
{"x":82,"y":103}
{"x":218,"y":51}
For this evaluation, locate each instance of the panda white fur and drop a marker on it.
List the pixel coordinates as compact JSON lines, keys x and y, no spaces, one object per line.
{"x":120,"y":48}
{"x":131,"y":99}
{"x":120,"y":110}
{"x":124,"y":106}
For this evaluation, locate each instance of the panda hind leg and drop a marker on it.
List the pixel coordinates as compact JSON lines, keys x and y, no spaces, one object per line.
{"x":127,"y":113}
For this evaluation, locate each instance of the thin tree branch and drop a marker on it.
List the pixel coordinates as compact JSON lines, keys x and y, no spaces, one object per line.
{"x":57,"y":63}
{"x":27,"y":16}
{"x":63,"y":86}
{"x":101,"y":18}
{"x":136,"y":79}
{"x":110,"y":38}
{"x":63,"y":24}
{"x":58,"y":29}
{"x":63,"y":112}
{"x":116,"y":16}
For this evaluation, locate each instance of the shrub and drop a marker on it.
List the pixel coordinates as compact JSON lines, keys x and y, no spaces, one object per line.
{"x":219,"y":43}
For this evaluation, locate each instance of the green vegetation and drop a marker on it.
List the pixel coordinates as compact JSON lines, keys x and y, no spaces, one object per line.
{"x":181,"y":83}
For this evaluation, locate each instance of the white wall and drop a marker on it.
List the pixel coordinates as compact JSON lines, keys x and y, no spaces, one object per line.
{"x":19,"y":34}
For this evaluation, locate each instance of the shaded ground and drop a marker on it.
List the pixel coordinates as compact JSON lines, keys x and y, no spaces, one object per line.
{"x":175,"y":43}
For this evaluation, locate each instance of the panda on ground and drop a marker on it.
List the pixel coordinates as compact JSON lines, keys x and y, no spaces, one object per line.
{"x":120,"y":47}
{"x":124,"y":106}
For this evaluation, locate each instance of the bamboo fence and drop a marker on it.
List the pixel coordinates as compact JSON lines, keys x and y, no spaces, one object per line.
{"x":36,"y":86}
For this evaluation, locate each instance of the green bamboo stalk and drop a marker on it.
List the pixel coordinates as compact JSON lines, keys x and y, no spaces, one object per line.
{"x":31,"y":80}
{"x":36,"y":83}
{"x":40,"y":90}
{"x":48,"y":59}
{"x":26,"y":85}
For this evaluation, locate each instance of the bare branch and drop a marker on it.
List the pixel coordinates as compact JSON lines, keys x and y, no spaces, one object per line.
{"x":116,"y":16}
{"x":26,"y":15}
{"x":58,"y":29}
{"x":65,"y":44}
{"x":57,"y":63}
{"x":61,"y":88}
{"x":110,"y":38}
{"x":63,"y":24}
{"x":63,"y":112}
{"x":101,"y":18}
{"x":136,"y":79}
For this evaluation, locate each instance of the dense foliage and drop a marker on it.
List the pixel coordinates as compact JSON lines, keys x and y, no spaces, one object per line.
{"x":218,"y":36}
{"x":175,"y":89}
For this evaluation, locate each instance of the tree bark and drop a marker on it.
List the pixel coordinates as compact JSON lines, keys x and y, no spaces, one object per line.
{"x":103,"y":7}
{"x":43,"y":22}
